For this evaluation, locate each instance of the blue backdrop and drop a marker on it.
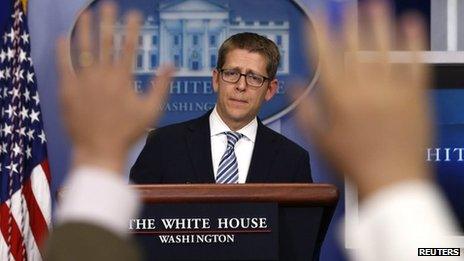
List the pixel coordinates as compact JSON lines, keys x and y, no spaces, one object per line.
{"x":51,"y":18}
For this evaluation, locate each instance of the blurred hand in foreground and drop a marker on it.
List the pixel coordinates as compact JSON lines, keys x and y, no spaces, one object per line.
{"x":370,"y":118}
{"x":102,"y":112}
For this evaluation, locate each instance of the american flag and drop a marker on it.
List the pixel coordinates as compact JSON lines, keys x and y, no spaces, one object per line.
{"x":25,"y":209}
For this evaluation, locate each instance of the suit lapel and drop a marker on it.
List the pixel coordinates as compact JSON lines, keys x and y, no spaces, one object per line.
{"x":264,"y":152}
{"x":199,"y":147}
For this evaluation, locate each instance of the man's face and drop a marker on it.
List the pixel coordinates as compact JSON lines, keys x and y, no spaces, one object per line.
{"x":238,"y":103}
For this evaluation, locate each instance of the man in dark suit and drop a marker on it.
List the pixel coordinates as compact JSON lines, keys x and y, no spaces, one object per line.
{"x":229,"y":144}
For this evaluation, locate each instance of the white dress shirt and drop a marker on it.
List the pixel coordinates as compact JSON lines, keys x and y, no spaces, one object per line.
{"x":399,"y":219}
{"x":243,"y":147}
{"x":100,"y":197}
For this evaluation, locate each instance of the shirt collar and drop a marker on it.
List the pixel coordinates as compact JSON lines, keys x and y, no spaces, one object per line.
{"x":218,"y":126}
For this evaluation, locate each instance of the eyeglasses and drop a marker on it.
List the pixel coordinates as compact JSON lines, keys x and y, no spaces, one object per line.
{"x":251,"y":79}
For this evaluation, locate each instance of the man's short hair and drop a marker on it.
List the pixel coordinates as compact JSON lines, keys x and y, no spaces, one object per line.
{"x":253,"y":43}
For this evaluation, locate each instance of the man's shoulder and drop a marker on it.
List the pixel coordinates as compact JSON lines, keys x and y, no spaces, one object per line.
{"x":176,"y":130}
{"x":284,"y":142}
{"x":172,"y":128}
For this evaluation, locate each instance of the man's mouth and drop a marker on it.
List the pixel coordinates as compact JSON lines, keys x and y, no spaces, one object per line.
{"x":238,"y":100}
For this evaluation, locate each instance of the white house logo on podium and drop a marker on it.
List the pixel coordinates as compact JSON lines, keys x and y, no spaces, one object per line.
{"x":188,"y":33}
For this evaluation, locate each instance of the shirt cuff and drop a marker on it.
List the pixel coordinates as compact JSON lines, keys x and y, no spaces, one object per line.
{"x":100,"y":197}
{"x":396,"y":221}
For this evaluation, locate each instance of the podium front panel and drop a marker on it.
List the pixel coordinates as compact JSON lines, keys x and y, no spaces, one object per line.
{"x":208,"y":231}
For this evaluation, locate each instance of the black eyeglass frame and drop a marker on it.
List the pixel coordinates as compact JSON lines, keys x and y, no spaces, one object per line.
{"x":221,"y":70}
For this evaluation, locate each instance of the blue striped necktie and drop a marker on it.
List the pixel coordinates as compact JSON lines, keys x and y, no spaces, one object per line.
{"x":228,"y":167}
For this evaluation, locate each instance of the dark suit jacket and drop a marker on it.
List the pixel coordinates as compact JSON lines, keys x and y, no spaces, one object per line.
{"x":181,"y":153}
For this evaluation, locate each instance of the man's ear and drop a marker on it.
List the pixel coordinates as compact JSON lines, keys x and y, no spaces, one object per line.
{"x":271,"y":90}
{"x":215,"y":81}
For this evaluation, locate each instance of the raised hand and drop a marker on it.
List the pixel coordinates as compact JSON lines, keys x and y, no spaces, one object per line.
{"x":369,"y":117}
{"x":102,"y":112}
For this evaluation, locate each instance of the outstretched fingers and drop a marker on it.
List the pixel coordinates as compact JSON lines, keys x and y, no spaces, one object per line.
{"x":158,"y":94}
{"x":415,"y":41}
{"x":309,"y":116}
{"x":66,"y":75}
{"x":133,"y":19}
{"x":350,"y":39}
{"x":84,"y":40}
{"x":107,"y":20}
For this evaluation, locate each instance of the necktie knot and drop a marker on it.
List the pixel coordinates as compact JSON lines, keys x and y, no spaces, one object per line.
{"x":232,"y":138}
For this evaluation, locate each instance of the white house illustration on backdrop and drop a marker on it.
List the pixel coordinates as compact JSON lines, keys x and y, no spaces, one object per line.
{"x":188,"y":34}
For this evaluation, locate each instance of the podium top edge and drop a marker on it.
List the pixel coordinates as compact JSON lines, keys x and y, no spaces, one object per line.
{"x":294,"y":193}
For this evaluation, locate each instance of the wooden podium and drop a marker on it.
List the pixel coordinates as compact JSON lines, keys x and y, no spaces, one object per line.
{"x":304,"y":212}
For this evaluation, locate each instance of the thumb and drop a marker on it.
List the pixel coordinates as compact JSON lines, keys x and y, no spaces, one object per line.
{"x":308,"y":115}
{"x":156,"y":97}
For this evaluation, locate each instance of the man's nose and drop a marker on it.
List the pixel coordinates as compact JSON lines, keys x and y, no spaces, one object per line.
{"x":241,"y":84}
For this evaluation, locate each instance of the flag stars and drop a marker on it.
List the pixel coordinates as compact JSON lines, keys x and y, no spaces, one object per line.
{"x":7,"y":130}
{"x":11,"y":35}
{"x":22,"y":55}
{"x":7,"y":74}
{"x":11,"y":111}
{"x":2,"y":56}
{"x":24,"y":113}
{"x":25,"y":37}
{"x":18,"y":73}
{"x":13,"y":167}
{"x":17,"y":150}
{"x":21,"y":131}
{"x":3,"y":147}
{"x":28,"y":152}
{"x":21,"y":127}
{"x":42,"y":137}
{"x":30,"y":77}
{"x":15,"y":93}
{"x":30,"y":134}
{"x":34,"y":115}
{"x":18,"y":14}
{"x":27,"y":94}
{"x":36,"y":98}
{"x":10,"y":53}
